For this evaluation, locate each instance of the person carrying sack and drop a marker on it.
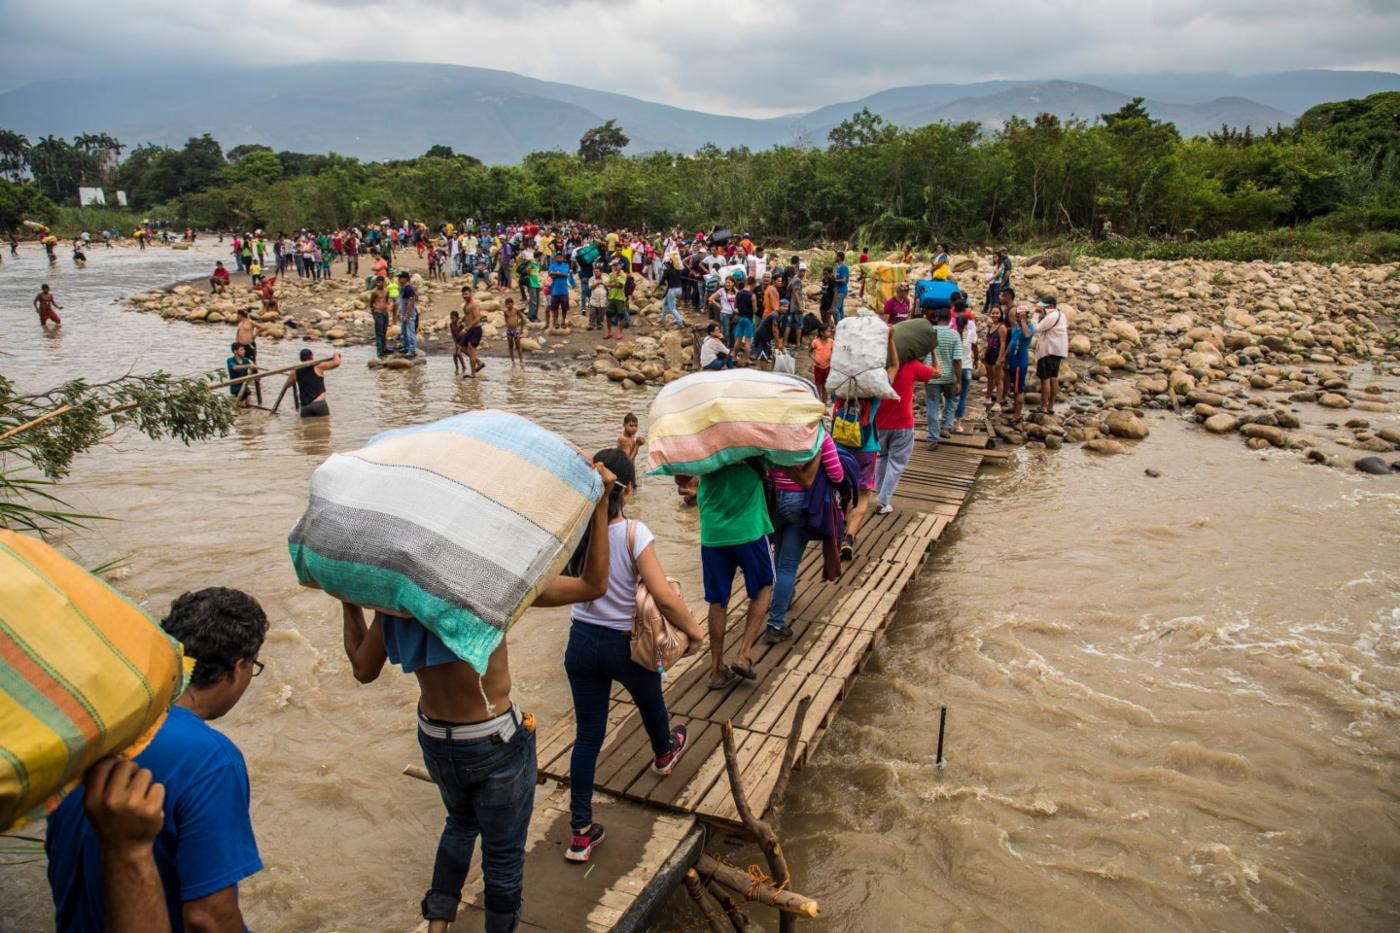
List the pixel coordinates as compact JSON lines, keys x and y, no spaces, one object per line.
{"x":641,"y":613}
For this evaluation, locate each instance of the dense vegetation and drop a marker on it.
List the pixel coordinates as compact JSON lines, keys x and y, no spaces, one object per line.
{"x":1329,"y":186}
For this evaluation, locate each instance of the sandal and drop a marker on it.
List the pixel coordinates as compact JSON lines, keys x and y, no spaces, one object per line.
{"x":731,"y":677}
{"x":848,"y":548}
{"x":743,"y":670}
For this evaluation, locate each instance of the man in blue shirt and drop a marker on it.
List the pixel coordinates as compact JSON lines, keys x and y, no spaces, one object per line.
{"x":1019,"y":331}
{"x":206,"y":844}
{"x":843,"y":285}
{"x":560,"y":281}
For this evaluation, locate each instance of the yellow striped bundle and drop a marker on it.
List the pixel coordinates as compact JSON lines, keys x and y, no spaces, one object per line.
{"x":83,"y":673}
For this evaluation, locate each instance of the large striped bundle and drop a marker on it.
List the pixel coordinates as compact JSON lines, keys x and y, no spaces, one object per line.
{"x":84,"y":673}
{"x":709,"y":420}
{"x":881,"y":281}
{"x":458,"y":523}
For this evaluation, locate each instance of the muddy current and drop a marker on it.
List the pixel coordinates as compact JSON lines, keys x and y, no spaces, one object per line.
{"x":1173,"y":702}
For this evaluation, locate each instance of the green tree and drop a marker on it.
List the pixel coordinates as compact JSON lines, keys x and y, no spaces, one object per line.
{"x":20,"y":201}
{"x":599,"y":143}
{"x":260,"y":166}
{"x":14,"y":154}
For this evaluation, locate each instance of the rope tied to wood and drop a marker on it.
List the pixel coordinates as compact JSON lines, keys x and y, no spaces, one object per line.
{"x":760,"y":878}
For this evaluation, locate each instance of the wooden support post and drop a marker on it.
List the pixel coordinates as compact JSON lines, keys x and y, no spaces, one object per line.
{"x":790,"y":753}
{"x":760,"y":892}
{"x":761,"y":832}
{"x":697,"y":894}
{"x":737,"y":918}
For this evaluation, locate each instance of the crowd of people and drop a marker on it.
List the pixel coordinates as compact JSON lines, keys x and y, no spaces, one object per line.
{"x":112,"y":853}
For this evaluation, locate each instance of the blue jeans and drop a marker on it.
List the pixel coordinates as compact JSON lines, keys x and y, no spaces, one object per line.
{"x":533,"y":308}
{"x":941,"y":401}
{"x":488,"y":789}
{"x":962,"y":392}
{"x":838,"y":308}
{"x":409,"y":332}
{"x":596,"y":657}
{"x":791,"y":543}
{"x":721,"y":362}
{"x":669,"y":305}
{"x":381,"y":327}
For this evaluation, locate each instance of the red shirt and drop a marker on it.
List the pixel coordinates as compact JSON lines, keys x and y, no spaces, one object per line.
{"x":892,"y":417}
{"x":220,"y":272}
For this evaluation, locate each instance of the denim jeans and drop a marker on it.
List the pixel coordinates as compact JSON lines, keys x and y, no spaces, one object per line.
{"x":896,"y":444}
{"x":720,"y":362}
{"x":669,"y":306}
{"x":962,"y":392}
{"x":596,"y":657}
{"x":409,"y":332}
{"x":381,"y":326}
{"x":941,"y":401}
{"x":726,"y":327}
{"x":533,"y":308}
{"x":791,"y":543}
{"x":838,"y":308}
{"x":488,"y":789}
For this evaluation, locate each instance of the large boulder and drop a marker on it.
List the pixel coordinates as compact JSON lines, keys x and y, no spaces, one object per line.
{"x":1276,"y":436}
{"x":1125,"y":424}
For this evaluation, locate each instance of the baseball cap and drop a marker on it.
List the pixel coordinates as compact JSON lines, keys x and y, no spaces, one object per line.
{"x":1047,"y":302}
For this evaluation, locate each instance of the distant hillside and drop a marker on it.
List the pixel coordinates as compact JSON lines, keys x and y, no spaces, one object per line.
{"x":389,"y":110}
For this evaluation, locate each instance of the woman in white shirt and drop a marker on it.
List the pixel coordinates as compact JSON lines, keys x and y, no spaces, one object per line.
{"x":599,"y":654}
{"x":967,"y":329}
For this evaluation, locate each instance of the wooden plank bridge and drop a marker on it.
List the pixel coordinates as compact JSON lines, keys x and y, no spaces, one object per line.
{"x":655,"y":825}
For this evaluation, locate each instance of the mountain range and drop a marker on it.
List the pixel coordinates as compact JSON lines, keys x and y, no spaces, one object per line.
{"x":392,"y":110}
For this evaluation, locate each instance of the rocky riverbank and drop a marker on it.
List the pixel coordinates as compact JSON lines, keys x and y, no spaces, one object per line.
{"x":1294,"y":357}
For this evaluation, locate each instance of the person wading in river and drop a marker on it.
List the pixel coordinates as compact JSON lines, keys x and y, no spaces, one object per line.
{"x":482,"y":760}
{"x":206,"y":844}
{"x":45,"y":303}
{"x":379,"y":310}
{"x":311,"y":385}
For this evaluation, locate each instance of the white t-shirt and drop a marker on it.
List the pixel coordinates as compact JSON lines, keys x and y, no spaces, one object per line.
{"x":969,"y":343}
{"x":615,"y":608}
{"x":712,"y":348}
{"x":1052,"y":331}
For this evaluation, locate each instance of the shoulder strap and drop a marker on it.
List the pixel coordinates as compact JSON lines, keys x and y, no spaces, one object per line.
{"x":631,"y":544}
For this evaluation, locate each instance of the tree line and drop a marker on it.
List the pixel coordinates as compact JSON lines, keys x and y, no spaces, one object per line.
{"x":1123,"y":175}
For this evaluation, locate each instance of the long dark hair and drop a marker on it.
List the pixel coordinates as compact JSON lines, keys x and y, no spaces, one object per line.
{"x":625,"y":470}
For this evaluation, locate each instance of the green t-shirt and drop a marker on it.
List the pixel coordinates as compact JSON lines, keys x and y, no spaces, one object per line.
{"x":733,"y":508}
{"x":534,"y":272}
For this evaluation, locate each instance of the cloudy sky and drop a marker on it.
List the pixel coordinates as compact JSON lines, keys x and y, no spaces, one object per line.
{"x":732,"y":56}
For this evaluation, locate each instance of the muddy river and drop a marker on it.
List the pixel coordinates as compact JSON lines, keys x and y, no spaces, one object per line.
{"x":1174,"y":702}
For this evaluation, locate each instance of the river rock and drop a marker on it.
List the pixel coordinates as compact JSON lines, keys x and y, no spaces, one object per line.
{"x":1373,"y":465}
{"x":1275,"y":436}
{"x":1222,"y":423}
{"x":1333,"y":400}
{"x":1105,"y":445}
{"x":1079,"y":345}
{"x":1390,"y":434}
{"x":1126,"y":424}
{"x":1125,"y":332}
{"x":618,"y":374}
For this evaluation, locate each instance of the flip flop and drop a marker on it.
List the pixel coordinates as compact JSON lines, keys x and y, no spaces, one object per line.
{"x":731,"y":677}
{"x":743,"y":670}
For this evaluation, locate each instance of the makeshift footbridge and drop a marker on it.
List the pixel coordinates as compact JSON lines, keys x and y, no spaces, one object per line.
{"x":656,"y":826}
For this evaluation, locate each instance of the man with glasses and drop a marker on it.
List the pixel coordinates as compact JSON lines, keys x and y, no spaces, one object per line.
{"x":205,"y":845}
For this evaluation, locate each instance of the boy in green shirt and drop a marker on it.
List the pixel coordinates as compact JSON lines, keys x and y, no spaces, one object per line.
{"x":734,"y":529}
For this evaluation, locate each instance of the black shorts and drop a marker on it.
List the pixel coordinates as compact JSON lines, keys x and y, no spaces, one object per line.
{"x":1048,"y":367}
{"x":472,"y":337}
{"x":559,"y":303}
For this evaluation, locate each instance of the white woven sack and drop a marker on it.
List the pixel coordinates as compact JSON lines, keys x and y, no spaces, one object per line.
{"x":858,"y":358}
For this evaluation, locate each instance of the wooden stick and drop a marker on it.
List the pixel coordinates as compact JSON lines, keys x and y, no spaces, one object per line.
{"x":760,"y":892}
{"x":761,"y":832}
{"x":39,"y":420}
{"x":737,"y":919}
{"x":697,"y":894}
{"x":789,"y":753}
{"x":278,"y":403}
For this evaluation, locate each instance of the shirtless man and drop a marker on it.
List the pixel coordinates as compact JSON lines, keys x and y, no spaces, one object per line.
{"x":379,"y":310}
{"x":515,"y":327}
{"x":455,"y":328}
{"x":45,"y":303}
{"x":477,"y":744}
{"x":471,"y":330}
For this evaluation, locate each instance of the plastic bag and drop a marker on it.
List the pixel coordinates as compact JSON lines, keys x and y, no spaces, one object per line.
{"x":859,"y":357}
{"x":785,"y":363}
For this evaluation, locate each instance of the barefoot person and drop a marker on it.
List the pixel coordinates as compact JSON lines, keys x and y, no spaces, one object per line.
{"x":599,"y":655}
{"x":310,"y":384}
{"x":482,"y":761}
{"x":206,"y":844}
{"x":238,"y":366}
{"x":379,"y":311}
{"x":515,"y":327}
{"x":45,"y":303}
{"x":629,"y":441}
{"x":471,"y":331}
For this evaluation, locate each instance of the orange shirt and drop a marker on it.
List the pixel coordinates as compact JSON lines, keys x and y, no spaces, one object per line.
{"x":821,"y":352}
{"x":770,"y":300}
{"x":746,"y":246}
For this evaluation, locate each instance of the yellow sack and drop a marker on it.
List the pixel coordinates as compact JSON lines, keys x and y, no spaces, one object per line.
{"x":881,"y":279}
{"x":83,"y":673}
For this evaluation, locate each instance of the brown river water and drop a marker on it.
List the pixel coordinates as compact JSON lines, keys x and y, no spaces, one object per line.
{"x":1174,"y":703}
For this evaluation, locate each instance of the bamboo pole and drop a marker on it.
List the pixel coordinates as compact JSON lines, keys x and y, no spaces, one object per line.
{"x":761,"y":892}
